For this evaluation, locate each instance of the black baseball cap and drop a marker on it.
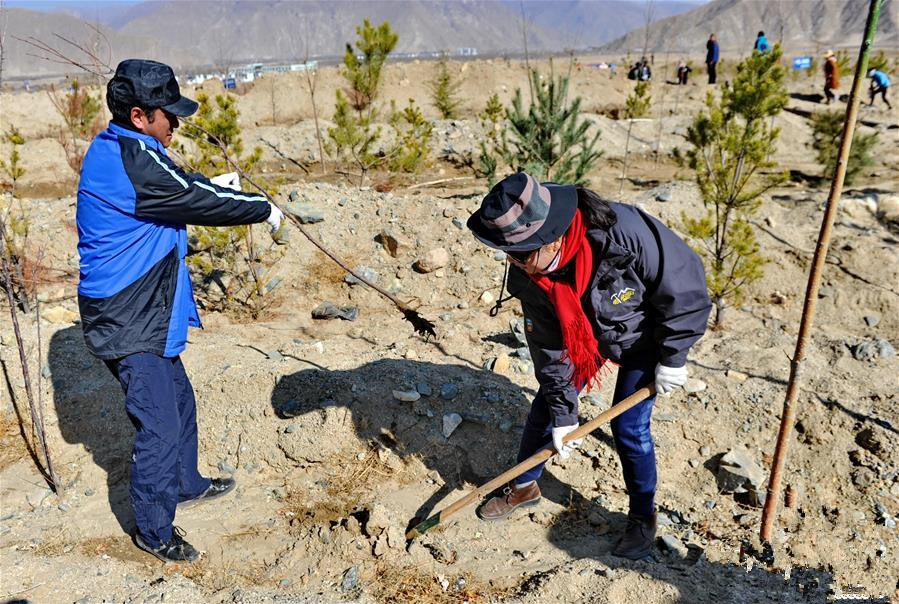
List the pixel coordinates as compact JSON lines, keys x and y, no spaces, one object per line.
{"x":147,"y":84}
{"x":521,"y":214}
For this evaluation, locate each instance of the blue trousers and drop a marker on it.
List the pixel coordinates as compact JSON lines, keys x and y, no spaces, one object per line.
{"x":630,"y":430}
{"x":160,"y":403}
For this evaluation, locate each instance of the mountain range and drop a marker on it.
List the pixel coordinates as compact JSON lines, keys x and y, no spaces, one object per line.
{"x":196,"y":33}
{"x":810,"y":25}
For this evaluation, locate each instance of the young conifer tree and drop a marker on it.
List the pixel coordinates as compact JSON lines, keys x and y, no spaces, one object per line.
{"x":363,"y":70}
{"x":445,"y":91}
{"x":731,"y":143}
{"x":229,"y":268}
{"x":549,"y":139}
{"x":827,"y":130}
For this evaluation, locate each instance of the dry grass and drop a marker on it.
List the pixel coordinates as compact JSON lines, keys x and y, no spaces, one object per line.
{"x":402,"y":584}
{"x":323,"y":270}
{"x":12,"y":446}
{"x":215,"y":578}
{"x":360,"y":472}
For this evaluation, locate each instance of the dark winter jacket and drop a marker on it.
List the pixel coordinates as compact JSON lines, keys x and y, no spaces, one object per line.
{"x":648,"y":298}
{"x":711,"y":51}
{"x":134,"y":291}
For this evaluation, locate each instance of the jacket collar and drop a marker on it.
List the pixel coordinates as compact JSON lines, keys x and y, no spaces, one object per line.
{"x":146,"y":138}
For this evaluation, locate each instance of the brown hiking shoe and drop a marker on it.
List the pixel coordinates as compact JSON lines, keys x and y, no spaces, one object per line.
{"x":512,"y":498}
{"x":636,"y":543}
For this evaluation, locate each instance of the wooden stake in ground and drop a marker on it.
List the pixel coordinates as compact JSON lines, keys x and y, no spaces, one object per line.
{"x":536,"y":459}
{"x":788,"y":417}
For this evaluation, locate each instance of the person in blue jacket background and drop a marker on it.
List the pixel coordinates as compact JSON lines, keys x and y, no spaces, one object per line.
{"x":134,"y":292}
{"x":880,"y":83}
{"x":712,"y":55}
{"x":761,"y":43}
{"x":597,"y":281}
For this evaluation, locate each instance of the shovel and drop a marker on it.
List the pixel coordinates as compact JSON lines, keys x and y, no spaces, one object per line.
{"x":537,"y":458}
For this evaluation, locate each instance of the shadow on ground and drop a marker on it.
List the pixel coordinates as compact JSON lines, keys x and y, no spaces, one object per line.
{"x":91,"y":412}
{"x":485,"y":444}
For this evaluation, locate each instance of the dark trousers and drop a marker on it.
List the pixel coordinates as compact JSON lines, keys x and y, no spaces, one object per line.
{"x":882,"y":91}
{"x":160,"y":403}
{"x":713,"y":72}
{"x":828,"y":93}
{"x":630,"y":430}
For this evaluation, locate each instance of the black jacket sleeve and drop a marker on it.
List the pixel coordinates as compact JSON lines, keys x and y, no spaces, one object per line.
{"x":676,"y":292}
{"x":553,"y":369}
{"x":166,"y":193}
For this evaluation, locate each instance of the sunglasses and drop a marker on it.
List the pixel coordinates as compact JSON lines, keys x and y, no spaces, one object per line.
{"x":520,"y":257}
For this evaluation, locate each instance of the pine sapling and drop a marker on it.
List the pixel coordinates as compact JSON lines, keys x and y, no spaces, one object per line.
{"x":730,"y":143}
{"x":635,"y":106}
{"x":11,"y":167}
{"x":491,"y":119}
{"x":827,"y":129}
{"x":445,"y":91}
{"x":229,"y":267}
{"x":81,"y":114}
{"x":362,"y":67}
{"x":549,"y":139}
{"x":353,"y":136}
{"x":413,"y":136}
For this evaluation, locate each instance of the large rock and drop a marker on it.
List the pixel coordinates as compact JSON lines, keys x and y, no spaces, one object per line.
{"x":435,"y":259}
{"x":739,"y":473}
{"x":58,"y":314}
{"x":888,"y":210}
{"x":393,"y":243}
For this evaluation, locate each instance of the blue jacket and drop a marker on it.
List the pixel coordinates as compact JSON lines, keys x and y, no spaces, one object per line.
{"x":761,"y":44}
{"x":711,"y":51}
{"x":134,"y":292}
{"x":648,"y":300}
{"x":881,"y":79}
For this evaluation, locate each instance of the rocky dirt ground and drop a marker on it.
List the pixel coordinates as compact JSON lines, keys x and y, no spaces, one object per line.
{"x":332,"y":465}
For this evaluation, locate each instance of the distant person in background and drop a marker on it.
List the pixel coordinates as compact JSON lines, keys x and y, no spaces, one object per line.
{"x":879,"y":85}
{"x":831,"y":76}
{"x":640,"y":71}
{"x":711,"y":58}
{"x":645,"y":71}
{"x":761,"y":43}
{"x":683,"y":72}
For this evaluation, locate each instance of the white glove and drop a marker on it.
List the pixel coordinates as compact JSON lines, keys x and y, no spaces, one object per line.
{"x":274,"y":218}
{"x":669,"y":378}
{"x":231,"y":180}
{"x":566,"y":449}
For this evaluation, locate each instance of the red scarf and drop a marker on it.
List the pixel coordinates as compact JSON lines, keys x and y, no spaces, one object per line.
{"x":577,"y":334}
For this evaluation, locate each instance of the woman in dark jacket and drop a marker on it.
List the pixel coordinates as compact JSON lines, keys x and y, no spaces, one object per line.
{"x":598,"y":282}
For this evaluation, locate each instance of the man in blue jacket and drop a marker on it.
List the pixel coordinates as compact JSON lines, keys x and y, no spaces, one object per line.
{"x":712,"y":54}
{"x":880,"y":83}
{"x":761,"y":43}
{"x":135,"y":294}
{"x":597,"y":281}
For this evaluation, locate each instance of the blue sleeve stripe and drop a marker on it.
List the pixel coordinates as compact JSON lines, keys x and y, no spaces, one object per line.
{"x":155,"y":157}
{"x":223,"y":194}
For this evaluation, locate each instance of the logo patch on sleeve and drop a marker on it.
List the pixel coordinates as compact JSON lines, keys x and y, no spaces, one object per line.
{"x":529,"y":326}
{"x":623,"y":296}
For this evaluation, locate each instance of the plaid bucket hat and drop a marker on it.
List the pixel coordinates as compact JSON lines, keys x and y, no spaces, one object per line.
{"x":520,"y":214}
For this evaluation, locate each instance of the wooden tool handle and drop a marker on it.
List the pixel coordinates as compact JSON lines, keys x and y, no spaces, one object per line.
{"x":537,"y":458}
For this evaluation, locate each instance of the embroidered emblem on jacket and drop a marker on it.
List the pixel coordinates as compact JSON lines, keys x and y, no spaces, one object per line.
{"x":623,"y":296}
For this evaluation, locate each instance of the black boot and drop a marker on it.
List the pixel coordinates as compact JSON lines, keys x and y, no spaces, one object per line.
{"x":636,"y":543}
{"x":176,"y":550}
{"x":218,"y":488}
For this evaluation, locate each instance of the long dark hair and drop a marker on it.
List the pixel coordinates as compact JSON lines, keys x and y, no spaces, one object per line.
{"x":596,"y":210}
